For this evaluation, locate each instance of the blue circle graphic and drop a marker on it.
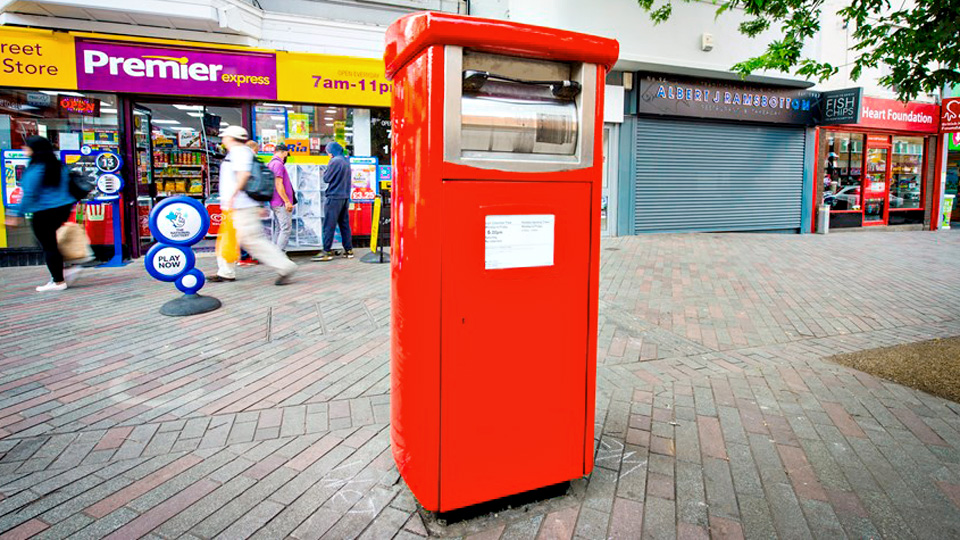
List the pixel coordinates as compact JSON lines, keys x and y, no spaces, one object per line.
{"x":191,"y":282}
{"x":106,"y":179}
{"x":171,"y":210}
{"x":167,"y":262}
{"x":108,"y":162}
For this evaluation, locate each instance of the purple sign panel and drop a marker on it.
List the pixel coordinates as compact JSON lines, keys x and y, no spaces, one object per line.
{"x":122,"y":67}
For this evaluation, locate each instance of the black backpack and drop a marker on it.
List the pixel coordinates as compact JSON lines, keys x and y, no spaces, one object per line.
{"x":80,"y":185}
{"x":262,"y":183}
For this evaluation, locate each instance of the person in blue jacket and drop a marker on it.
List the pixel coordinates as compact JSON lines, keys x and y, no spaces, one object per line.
{"x":46,"y":194}
{"x":336,"y":203}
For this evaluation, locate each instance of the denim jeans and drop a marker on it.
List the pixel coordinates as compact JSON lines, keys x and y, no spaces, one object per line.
{"x":336,"y":212}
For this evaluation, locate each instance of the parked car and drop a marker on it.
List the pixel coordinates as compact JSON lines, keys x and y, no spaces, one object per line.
{"x":847,"y":198}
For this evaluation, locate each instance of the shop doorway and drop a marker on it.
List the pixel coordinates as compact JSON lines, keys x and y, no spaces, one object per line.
{"x":609,"y":193}
{"x":952,"y":178}
{"x":873,"y":179}
{"x":177,"y":151}
{"x":876,"y":180}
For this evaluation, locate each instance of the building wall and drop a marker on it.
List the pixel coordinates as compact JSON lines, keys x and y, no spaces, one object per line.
{"x":378,"y":13}
{"x":643,"y":45}
{"x":290,"y":33}
{"x":356,"y":27}
{"x":336,"y":27}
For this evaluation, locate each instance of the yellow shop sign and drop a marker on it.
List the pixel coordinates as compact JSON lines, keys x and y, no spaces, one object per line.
{"x":338,"y":80}
{"x":37,"y":59}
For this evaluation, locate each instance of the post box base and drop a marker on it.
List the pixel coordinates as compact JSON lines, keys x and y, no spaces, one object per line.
{"x":445,"y":524}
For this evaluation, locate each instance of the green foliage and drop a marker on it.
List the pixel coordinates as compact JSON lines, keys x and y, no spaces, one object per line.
{"x":917,"y":41}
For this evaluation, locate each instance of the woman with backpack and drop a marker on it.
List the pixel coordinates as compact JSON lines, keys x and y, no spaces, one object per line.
{"x":46,"y":195}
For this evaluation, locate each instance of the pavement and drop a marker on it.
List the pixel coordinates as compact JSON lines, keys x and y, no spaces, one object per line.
{"x":718,"y":414}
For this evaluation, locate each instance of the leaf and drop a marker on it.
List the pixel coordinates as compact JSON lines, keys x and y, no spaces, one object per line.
{"x":913,"y":44}
{"x":662,"y":14}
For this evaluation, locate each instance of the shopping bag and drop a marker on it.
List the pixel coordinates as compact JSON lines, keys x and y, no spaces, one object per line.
{"x":73,"y":242}
{"x":227,"y":247}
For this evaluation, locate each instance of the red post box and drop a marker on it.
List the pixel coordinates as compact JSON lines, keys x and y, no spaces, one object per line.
{"x":495,"y":254}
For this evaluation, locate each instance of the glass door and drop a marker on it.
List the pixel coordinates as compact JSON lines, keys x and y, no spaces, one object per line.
{"x":876,"y":181}
{"x":142,"y":146}
{"x":608,"y":201}
{"x":143,"y":156}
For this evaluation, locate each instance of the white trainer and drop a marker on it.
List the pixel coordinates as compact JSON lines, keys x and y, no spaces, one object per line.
{"x":51,"y":286}
{"x":70,"y":275}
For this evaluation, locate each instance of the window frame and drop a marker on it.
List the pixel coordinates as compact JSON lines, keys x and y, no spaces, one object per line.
{"x":923,"y":173}
{"x":824,"y":131}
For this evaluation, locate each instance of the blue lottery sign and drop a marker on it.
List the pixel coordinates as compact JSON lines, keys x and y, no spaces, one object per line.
{"x":386,"y":173}
{"x":191,"y":282}
{"x":181,"y":221}
{"x":108,"y":162}
{"x":167,"y":263}
{"x":178,"y":223}
{"x":109,"y":185}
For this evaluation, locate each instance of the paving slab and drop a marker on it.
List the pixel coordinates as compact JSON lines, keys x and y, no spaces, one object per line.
{"x":718,"y":411}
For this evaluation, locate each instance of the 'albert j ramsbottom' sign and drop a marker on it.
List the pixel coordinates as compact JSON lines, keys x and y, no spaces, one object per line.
{"x":717,"y":99}
{"x":123,"y":67}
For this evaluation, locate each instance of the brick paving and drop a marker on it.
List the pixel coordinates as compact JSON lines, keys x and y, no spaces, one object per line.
{"x":716,"y":413}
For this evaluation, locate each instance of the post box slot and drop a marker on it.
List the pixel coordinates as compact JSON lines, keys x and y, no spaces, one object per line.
{"x":516,"y":117}
{"x":514,"y":108}
{"x":474,"y":80}
{"x":516,"y":67}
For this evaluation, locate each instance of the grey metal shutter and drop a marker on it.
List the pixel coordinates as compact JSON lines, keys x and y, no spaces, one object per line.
{"x":709,"y":176}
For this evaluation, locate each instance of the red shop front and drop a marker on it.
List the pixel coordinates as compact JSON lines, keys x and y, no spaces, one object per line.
{"x":881,"y":171}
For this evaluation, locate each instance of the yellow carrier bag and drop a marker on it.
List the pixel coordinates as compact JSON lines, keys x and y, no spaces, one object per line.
{"x":227,"y":246}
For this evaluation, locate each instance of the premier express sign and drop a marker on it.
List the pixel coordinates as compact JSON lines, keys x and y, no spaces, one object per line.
{"x":123,"y":67}
{"x":32,"y":58}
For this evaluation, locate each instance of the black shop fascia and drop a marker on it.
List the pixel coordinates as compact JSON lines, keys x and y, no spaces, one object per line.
{"x":723,"y":100}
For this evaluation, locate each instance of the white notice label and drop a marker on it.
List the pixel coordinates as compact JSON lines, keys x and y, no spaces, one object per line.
{"x":519,"y":241}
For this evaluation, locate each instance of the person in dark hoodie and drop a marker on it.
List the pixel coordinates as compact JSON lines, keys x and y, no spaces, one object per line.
{"x":336,"y":203}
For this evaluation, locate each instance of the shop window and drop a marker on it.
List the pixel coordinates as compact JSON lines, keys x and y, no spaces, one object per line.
{"x":952,"y":179}
{"x":843,"y":171}
{"x":69,"y":119}
{"x":308,"y":128}
{"x":177,"y":146}
{"x":906,"y":182}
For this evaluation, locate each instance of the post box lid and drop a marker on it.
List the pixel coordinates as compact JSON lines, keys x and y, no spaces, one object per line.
{"x":410,"y":34}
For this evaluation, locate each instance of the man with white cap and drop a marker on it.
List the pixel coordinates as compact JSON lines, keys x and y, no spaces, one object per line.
{"x":234,"y":173}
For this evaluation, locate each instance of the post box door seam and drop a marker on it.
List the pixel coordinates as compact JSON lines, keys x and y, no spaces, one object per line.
{"x":552,"y":449}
